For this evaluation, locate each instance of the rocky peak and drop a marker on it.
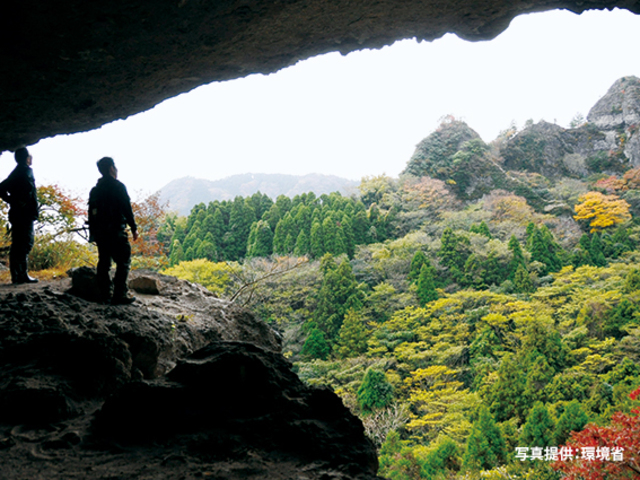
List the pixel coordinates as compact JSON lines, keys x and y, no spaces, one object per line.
{"x":433,"y":155}
{"x":617,"y":114}
{"x":620,"y":107}
{"x":608,"y":143}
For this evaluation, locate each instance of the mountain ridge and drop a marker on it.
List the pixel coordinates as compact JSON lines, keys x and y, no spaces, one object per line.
{"x":183,"y":193}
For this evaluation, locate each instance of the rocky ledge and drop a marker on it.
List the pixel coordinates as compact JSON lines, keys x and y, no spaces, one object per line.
{"x":178,"y":385}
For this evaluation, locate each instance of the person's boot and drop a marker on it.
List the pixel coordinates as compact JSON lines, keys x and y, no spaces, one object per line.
{"x":122,"y":298}
{"x":121,"y":295}
{"x":18,"y":272}
{"x":24,"y":275}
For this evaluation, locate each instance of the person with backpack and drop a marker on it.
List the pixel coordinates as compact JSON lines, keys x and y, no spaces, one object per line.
{"x":110,"y":213}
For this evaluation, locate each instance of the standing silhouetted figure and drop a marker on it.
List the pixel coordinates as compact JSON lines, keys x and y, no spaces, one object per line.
{"x":19,"y":191}
{"x":109,"y":214}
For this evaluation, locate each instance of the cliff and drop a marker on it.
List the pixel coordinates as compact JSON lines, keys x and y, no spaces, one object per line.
{"x":178,"y":385}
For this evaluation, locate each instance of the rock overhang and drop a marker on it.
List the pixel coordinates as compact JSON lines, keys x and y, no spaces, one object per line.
{"x":72,"y":66}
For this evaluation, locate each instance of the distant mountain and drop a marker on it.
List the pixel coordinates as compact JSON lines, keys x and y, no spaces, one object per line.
{"x":182,"y":194}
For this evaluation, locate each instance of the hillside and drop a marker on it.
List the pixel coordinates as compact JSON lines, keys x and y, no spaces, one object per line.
{"x":182,"y":194}
{"x":486,"y":301}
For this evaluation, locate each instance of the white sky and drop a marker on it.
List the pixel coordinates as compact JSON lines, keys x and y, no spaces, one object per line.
{"x":356,"y":115}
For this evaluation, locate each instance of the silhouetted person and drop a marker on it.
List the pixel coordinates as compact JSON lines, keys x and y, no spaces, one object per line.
{"x":19,"y":191}
{"x":109,"y":214}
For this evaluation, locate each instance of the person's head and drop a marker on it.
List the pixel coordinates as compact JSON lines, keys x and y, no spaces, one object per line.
{"x":107,"y":166}
{"x":22,"y":156}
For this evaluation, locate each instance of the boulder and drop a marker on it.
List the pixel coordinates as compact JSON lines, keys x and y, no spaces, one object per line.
{"x":179,"y":384}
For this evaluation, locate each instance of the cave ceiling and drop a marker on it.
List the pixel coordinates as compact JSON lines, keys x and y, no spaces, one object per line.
{"x":74,"y":65}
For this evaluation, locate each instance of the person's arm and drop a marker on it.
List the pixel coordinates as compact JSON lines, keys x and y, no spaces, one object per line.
{"x":127,"y":211}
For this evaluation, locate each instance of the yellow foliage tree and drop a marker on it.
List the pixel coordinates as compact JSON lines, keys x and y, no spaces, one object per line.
{"x":438,"y":403}
{"x":215,"y":277}
{"x":601,"y":210}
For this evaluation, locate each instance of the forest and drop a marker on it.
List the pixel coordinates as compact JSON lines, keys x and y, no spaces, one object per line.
{"x":480,"y":313}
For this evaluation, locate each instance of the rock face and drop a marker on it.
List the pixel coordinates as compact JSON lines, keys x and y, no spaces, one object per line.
{"x":555,"y":152}
{"x":177,"y":385}
{"x":618,"y":115}
{"x":608,"y":143}
{"x":70,"y":66}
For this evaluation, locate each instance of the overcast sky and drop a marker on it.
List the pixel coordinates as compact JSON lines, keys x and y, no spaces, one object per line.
{"x":356,"y":115}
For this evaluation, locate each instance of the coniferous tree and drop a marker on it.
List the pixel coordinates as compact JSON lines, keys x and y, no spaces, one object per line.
{"x":485,"y":446}
{"x":596,"y":252}
{"x":283,"y":239}
{"x":193,"y":215}
{"x":189,"y":241}
{"x":539,"y":339}
{"x":539,"y":375}
{"x":302,"y":219}
{"x":207,"y":248}
{"x":539,"y":428}
{"x":573,"y":419}
{"x":474,"y":272}
{"x":494,"y":273}
{"x":316,"y":241}
{"x":522,"y":281}
{"x":339,"y":292}
{"x":316,"y":346}
{"x":208,"y":223}
{"x":273,"y":215}
{"x":506,"y":396}
{"x":531,"y":227}
{"x":621,"y":242}
{"x":544,"y":250}
{"x":517,"y":257}
{"x":290,"y":243}
{"x":348,"y":237}
{"x":375,"y":391}
{"x":426,"y":285}
{"x":419,"y":259}
{"x":333,"y":237}
{"x":581,"y":254}
{"x":260,"y":240}
{"x":260,"y":203}
{"x":177,"y":254}
{"x":196,"y":249}
{"x":178,"y":234}
{"x":454,"y":252}
{"x":302,"y":244}
{"x":510,"y":434}
{"x":218,"y":227}
{"x":624,"y":313}
{"x":241,"y":218}
{"x":482,"y":229}
{"x":352,"y":340}
{"x":360,"y":225}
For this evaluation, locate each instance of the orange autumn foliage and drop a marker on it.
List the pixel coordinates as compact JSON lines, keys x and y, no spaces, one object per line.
{"x":149,"y":215}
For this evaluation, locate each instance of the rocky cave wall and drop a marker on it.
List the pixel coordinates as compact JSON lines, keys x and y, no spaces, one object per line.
{"x":70,"y":66}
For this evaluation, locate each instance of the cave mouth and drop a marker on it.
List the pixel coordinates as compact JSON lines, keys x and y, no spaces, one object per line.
{"x":83,"y":65}
{"x":355,"y":115}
